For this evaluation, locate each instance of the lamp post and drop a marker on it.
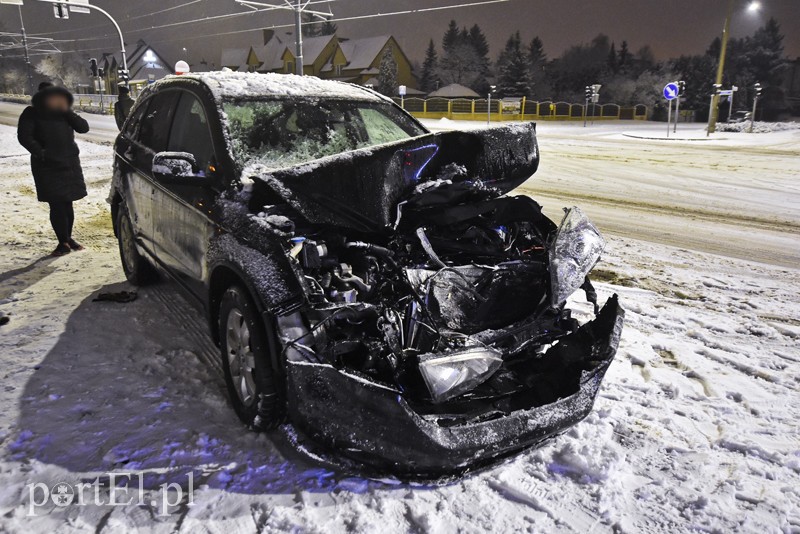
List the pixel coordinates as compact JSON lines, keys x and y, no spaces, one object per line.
{"x":489,"y":105}
{"x":726,"y":29}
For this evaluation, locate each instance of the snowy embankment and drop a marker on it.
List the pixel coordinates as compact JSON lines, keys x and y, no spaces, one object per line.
{"x":696,"y":427}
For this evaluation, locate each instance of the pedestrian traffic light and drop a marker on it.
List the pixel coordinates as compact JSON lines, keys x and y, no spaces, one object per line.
{"x":93,"y":67}
{"x":757,"y":88}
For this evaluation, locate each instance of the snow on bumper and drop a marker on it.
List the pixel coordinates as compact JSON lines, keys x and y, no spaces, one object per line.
{"x":374,"y":424}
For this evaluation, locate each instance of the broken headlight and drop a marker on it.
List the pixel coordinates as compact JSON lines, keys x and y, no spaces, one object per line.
{"x":452,"y":374}
{"x":574,"y":252}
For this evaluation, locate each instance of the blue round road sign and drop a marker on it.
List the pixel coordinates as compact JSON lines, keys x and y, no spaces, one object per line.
{"x":671,"y":91}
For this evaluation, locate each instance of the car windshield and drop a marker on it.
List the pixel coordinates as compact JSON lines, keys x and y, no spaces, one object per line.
{"x":282,"y":133}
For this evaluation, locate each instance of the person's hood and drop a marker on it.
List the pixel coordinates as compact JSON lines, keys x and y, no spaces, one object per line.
{"x":362,"y":189}
{"x":39,"y":97}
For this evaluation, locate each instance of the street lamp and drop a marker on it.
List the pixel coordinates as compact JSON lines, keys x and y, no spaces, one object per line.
{"x":492,"y":89}
{"x":753,"y":7}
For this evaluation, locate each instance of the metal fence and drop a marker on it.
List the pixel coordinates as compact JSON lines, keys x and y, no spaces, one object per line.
{"x":96,"y":103}
{"x":517,"y":110}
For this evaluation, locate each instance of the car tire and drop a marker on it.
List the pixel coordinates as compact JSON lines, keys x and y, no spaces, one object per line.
{"x":137,"y":269}
{"x":246,"y":347}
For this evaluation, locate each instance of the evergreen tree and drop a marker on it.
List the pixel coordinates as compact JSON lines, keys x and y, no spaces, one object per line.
{"x":387,"y":76}
{"x":613,"y":64}
{"x":477,"y":40}
{"x":460,"y":62}
{"x":513,"y":68}
{"x":538,"y":63}
{"x":450,"y":38}
{"x":328,"y":28}
{"x":312,"y":27}
{"x":536,"y":52}
{"x":624,"y":56}
{"x":765,"y":53}
{"x":429,"y":80}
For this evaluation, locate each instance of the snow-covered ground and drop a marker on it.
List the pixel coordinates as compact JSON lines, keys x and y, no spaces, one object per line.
{"x":696,"y":427}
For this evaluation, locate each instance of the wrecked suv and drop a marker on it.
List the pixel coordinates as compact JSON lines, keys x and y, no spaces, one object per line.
{"x":368,"y":279}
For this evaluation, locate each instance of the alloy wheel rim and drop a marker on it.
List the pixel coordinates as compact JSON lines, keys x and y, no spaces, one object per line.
{"x":128,"y":245}
{"x":241,"y":360}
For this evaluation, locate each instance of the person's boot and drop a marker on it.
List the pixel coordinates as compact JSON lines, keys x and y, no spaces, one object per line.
{"x":74,"y":245}
{"x":61,"y":250}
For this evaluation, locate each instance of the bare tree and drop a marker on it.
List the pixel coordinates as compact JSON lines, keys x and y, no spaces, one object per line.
{"x":64,"y":68}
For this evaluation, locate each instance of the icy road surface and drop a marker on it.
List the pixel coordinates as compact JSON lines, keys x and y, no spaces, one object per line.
{"x":696,"y":427}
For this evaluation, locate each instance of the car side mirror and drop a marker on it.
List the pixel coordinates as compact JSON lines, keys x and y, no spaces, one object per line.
{"x":174,"y":165}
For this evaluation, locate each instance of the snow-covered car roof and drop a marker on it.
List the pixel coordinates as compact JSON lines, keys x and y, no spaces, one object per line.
{"x":235,"y":85}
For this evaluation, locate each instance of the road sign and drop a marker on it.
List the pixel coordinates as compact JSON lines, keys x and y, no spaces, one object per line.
{"x":726,"y":93}
{"x":80,"y":7}
{"x":671,"y":91}
{"x":402,"y":90}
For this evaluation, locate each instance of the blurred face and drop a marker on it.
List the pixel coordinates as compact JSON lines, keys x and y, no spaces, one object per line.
{"x":56,"y":102}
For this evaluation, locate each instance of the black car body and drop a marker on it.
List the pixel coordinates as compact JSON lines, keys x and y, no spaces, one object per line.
{"x":369,"y":279}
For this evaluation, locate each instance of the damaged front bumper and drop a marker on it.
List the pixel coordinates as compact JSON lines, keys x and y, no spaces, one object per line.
{"x":375,"y":424}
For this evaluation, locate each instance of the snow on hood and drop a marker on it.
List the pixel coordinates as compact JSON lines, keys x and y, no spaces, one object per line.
{"x":361,"y":189}
{"x":237,"y":85}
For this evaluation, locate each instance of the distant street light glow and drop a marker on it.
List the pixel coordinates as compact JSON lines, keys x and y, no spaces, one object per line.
{"x":754,"y":6}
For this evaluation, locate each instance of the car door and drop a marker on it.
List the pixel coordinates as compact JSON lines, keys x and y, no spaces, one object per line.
{"x":150,"y":135}
{"x":182,"y":221}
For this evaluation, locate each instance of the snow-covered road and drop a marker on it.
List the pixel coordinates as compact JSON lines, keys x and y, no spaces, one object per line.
{"x":713,"y":196}
{"x":696,"y":428}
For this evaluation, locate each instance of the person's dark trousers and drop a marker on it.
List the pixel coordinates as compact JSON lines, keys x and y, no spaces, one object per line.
{"x":62,"y":217}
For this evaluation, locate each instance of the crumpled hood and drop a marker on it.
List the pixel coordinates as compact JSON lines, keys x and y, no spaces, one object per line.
{"x":362,"y":189}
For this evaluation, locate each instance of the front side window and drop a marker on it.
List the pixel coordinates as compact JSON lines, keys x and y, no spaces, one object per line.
{"x":191,"y":133}
{"x":282,"y":133}
{"x":154,"y":130}
{"x":133,"y":122}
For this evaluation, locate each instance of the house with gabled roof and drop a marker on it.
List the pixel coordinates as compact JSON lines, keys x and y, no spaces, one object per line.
{"x":359,"y":60}
{"x":145,"y":65}
{"x":329,"y":57}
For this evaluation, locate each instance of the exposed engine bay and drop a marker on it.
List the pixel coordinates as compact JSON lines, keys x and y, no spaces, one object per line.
{"x":456,"y":304}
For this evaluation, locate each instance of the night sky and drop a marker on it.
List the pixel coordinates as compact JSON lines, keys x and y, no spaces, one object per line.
{"x":670,"y":27}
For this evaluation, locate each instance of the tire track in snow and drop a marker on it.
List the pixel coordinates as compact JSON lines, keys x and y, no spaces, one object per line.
{"x":194,"y":326}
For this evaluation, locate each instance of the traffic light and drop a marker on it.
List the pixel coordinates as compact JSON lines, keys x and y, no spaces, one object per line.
{"x":757,"y":88}
{"x":717,"y":87}
{"x":681,"y":87}
{"x":93,"y":67}
{"x":61,"y":11}
{"x":101,"y":72}
{"x":589,"y":92}
{"x":123,"y":75}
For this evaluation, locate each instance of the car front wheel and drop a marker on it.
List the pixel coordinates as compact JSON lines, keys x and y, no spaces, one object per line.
{"x":246,"y":348}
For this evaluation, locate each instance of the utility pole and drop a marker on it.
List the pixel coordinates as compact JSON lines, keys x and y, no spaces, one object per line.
{"x":681,"y":89}
{"x":489,"y":104}
{"x":25,"y":46}
{"x":298,"y":28}
{"x":757,"y":88}
{"x":726,"y":30}
{"x":298,"y":7}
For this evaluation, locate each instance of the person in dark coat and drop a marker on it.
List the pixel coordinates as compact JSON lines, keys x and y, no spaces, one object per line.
{"x":47,"y":130}
{"x":123,"y":105}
